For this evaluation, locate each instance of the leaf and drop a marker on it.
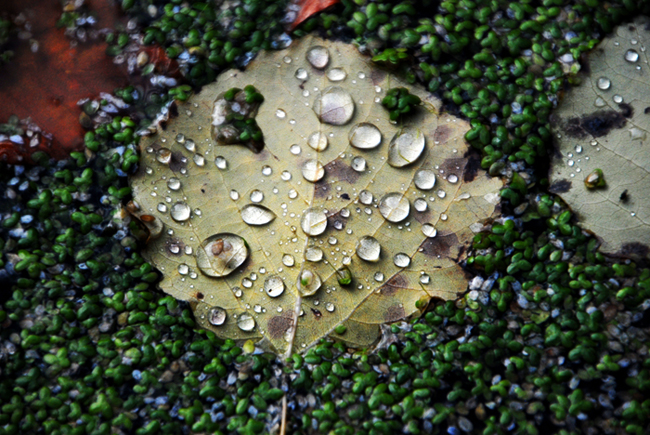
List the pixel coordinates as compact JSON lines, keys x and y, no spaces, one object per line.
{"x":216,"y":189}
{"x":602,"y":169}
{"x":47,"y":84}
{"x":309,"y":8}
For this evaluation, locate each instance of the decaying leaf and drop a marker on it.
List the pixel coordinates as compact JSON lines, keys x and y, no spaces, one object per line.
{"x":342,"y":218}
{"x":603,"y":167}
{"x":309,"y":8}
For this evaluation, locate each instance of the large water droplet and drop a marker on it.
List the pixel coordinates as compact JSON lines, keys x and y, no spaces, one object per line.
{"x":359,"y":164}
{"x":336,"y":74}
{"x":274,"y":286}
{"x":302,"y":74}
{"x":246,"y":322}
{"x":401,"y":260}
{"x":308,"y":282}
{"x":334,"y":106}
{"x":180,"y":212}
{"x":219,"y":255}
{"x":318,"y":141}
{"x":318,"y":56}
{"x":429,"y":230}
{"x":603,"y":83}
{"x":424,"y":179}
{"x":164,"y":156}
{"x":313,"y":170}
{"x":217,"y":316}
{"x":314,"y":254}
{"x":368,"y":249}
{"x":394,"y":207}
{"x":365,"y":136}
{"x":174,"y":183}
{"x":631,"y":56}
{"x":254,"y":214}
{"x":405,"y":147}
{"x":313,"y":222}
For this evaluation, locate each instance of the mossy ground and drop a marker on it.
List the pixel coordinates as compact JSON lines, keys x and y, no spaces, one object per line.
{"x":551,"y":338}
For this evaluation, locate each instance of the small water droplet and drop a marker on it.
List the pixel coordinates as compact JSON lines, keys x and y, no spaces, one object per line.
{"x":420,"y":205}
{"x":405,"y":147}
{"x":220,"y":254}
{"x":578,"y":149}
{"x":288,"y":260}
{"x":318,"y":141}
{"x":280,"y":113}
{"x":285,"y":176}
{"x":365,"y":136}
{"x":308,"y":282}
{"x":425,"y":179}
{"x":441,"y":194}
{"x":336,"y":74}
{"x":256,"y":196}
{"x":246,"y":322}
{"x":183,"y":269}
{"x":247,"y":283}
{"x":452,"y":178}
{"x":234,"y":195}
{"x":334,"y":106}
{"x":318,"y":56}
{"x":313,"y":170}
{"x":180,"y":138}
{"x":401,"y":260}
{"x":571,"y":163}
{"x":257,"y":309}
{"x":313,"y":222}
{"x":180,"y":212}
{"x":190,"y":145}
{"x":164,"y":156}
{"x":425,"y":279}
{"x":314,"y":254}
{"x":174,"y":183}
{"x":600,"y":102}
{"x":330,"y":307}
{"x":359,"y":164}
{"x":603,"y":83}
{"x":631,"y":56}
{"x":199,"y":160}
{"x":379,"y":277}
{"x":368,"y":249}
{"x":274,"y":286}
{"x":221,"y":162}
{"x":217,"y":316}
{"x":267,"y":170}
{"x":162,"y":208}
{"x":286,"y":59}
{"x":617,"y":99}
{"x":365,"y":197}
{"x":302,"y":74}
{"x":429,"y":230}
{"x":295,"y":149}
{"x":394,"y":207}
{"x":254,"y":214}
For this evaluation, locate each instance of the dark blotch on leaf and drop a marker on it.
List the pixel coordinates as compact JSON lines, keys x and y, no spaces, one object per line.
{"x":393,"y":285}
{"x":394,"y":313}
{"x":635,"y":249}
{"x":439,"y":245}
{"x":316,"y":313}
{"x":176,"y":163}
{"x":442,"y":133}
{"x":278,"y":326}
{"x":560,"y":186}
{"x":626,"y":110}
{"x":472,"y":166}
{"x":596,"y":124}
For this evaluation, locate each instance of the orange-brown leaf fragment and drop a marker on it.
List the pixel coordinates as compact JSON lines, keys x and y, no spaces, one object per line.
{"x":309,"y":8}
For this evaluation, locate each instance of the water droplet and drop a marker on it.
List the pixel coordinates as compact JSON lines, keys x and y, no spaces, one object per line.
{"x":429,"y":230}
{"x":336,"y":75}
{"x":313,"y":170}
{"x":425,"y":279}
{"x":254,"y":214}
{"x":237,"y":292}
{"x":379,"y":277}
{"x":217,"y":316}
{"x":394,"y":207}
{"x":308,"y":282}
{"x":313,"y":222}
{"x":345,"y":212}
{"x":365,"y":197}
{"x":293,"y":194}
{"x":247,"y":283}
{"x":280,"y":113}
{"x":199,"y":160}
{"x":452,"y":178}
{"x":234,"y":195}
{"x":164,"y":156}
{"x":318,"y":141}
{"x":301,"y":74}
{"x":334,"y":106}
{"x":330,"y":307}
{"x":425,"y":179}
{"x":246,"y":322}
{"x":180,"y":138}
{"x":162,"y":208}
{"x":631,"y":56}
{"x":219,"y":255}
{"x":318,"y":56}
{"x":571,"y":163}
{"x":256,"y":196}
{"x":174,"y":183}
{"x":257,"y":309}
{"x":180,"y":212}
{"x":600,"y":102}
{"x":603,"y":83}
{"x":401,"y":260}
{"x":274,"y":286}
{"x":285,"y":176}
{"x":314,"y":254}
{"x":420,"y":205}
{"x":190,"y":145}
{"x":288,"y":260}
{"x":221,"y":162}
{"x":405,"y":147}
{"x":344,"y":276}
{"x":578,"y":149}
{"x":365,"y":136}
{"x":295,"y":149}
{"x":183,"y":269}
{"x":267,"y":170}
{"x":286,"y":59}
{"x":368,"y":249}
{"x":441,"y":194}
{"x":359,"y":164}
{"x":637,"y":133}
{"x":617,"y":99}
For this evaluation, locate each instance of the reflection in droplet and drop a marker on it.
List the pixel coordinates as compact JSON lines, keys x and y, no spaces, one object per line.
{"x":401,"y":260}
{"x":318,"y":141}
{"x":318,"y":56}
{"x":394,"y":207}
{"x":343,"y":275}
{"x":314,"y":254}
{"x":429,"y":230}
{"x":256,"y":196}
{"x":217,"y":316}
{"x":313,"y":170}
{"x":308,"y":282}
{"x":365,"y":197}
{"x":336,"y":75}
{"x":425,"y":179}
{"x":631,"y":56}
{"x":174,"y":183}
{"x":219,"y":255}
{"x":274,"y":286}
{"x":603,"y":83}
{"x":180,"y":212}
{"x":365,"y":136}
{"x":221,"y":162}
{"x":254,"y":214}
{"x":288,"y":260}
{"x":420,"y":205}
{"x":334,"y":106}
{"x":405,"y":147}
{"x":246,"y":322}
{"x":302,"y":74}
{"x":368,"y":249}
{"x":164,"y":156}
{"x":359,"y":164}
{"x":313,"y":222}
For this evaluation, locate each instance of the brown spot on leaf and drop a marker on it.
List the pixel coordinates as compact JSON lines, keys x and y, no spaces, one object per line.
{"x":316,"y":313}
{"x":440,"y":245}
{"x":336,"y":221}
{"x":278,"y":326}
{"x":393,"y":285}
{"x":596,"y":124}
{"x":394,"y":313}
{"x":423,"y":217}
{"x":472,"y":166}
{"x":442,"y":133}
{"x":635,"y":249}
{"x":560,"y":186}
{"x":199,"y":295}
{"x":340,"y":171}
{"x":453,"y":166}
{"x":377,"y":76}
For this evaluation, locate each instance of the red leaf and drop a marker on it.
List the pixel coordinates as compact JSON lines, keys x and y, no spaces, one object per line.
{"x":46,"y":85}
{"x":309,"y":8}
